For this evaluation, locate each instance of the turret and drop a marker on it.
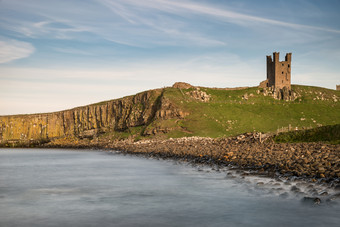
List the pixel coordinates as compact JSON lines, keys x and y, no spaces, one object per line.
{"x":269,"y":58}
{"x":288,"y":57}
{"x":276,"y":56}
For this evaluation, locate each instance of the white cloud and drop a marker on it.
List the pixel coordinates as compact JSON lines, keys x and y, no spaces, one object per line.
{"x":11,"y":50}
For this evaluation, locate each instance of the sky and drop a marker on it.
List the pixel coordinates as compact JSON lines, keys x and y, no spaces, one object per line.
{"x":56,"y":55}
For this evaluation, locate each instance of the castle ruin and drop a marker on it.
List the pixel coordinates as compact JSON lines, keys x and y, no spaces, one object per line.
{"x":278,"y":72}
{"x":338,"y":87}
{"x":278,"y":82}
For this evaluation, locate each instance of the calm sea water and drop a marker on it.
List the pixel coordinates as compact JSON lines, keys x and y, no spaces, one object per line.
{"x":41,"y":187}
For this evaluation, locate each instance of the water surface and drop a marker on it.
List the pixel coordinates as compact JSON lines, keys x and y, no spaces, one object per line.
{"x":40,"y":187}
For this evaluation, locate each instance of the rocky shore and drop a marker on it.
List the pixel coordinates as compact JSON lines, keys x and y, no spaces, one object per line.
{"x":255,"y":152}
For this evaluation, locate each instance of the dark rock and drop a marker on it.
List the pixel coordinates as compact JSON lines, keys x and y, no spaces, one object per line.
{"x":313,"y":192}
{"x":259,"y":184}
{"x":284,"y":195}
{"x":311,"y":200}
{"x":310,"y":186}
{"x":323,"y":193}
{"x":295,"y":189}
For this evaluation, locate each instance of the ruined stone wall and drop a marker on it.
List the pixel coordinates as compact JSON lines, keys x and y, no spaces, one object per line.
{"x":270,"y":72}
{"x":83,"y":121}
{"x":338,"y":87}
{"x":279,"y":72}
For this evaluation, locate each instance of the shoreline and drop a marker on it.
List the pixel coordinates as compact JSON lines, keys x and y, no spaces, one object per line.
{"x":252,"y":152}
{"x":239,"y":158}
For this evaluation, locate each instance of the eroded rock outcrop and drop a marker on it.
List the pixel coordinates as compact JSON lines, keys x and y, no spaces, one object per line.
{"x":182,"y":85}
{"x":280,"y":94}
{"x":199,"y":95}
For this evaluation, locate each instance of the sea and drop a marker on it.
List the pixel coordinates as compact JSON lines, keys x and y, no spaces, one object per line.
{"x":64,"y":187}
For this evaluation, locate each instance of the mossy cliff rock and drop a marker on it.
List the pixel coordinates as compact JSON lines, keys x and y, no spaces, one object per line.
{"x":88,"y":121}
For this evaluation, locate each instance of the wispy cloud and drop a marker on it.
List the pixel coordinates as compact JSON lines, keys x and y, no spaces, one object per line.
{"x":72,"y":51}
{"x":239,"y":17}
{"x":11,"y":50}
{"x":185,"y":7}
{"x":59,"y":28}
{"x":151,"y":24}
{"x":141,"y":23}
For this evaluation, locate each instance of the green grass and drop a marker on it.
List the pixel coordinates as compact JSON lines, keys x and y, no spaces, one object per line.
{"x":329,"y":133}
{"x":227,"y":114}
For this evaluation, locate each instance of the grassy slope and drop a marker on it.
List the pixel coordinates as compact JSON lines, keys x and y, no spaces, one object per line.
{"x":228,"y":114}
{"x":329,"y":133}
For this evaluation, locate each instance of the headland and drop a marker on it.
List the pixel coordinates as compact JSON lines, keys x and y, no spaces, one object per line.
{"x":295,"y":135}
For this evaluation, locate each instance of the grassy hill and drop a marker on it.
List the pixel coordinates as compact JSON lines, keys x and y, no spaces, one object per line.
{"x":177,"y":112}
{"x":232,"y":112}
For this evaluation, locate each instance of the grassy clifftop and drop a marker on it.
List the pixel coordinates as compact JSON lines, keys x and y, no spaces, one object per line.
{"x":232,"y":112}
{"x":179,"y":112}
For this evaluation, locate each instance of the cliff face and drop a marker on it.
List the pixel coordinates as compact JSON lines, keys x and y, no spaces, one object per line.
{"x":86,"y":121}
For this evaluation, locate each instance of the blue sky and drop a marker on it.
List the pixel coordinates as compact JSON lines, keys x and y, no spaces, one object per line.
{"x":56,"y":55}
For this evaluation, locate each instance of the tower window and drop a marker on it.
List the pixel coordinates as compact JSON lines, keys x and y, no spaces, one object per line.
{"x":282,"y":72}
{"x":288,"y":65}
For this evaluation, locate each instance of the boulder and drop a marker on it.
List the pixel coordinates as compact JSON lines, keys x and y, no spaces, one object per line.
{"x":311,"y":200}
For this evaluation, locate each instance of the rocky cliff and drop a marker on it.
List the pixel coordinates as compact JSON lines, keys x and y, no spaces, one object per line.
{"x":87,"y":121}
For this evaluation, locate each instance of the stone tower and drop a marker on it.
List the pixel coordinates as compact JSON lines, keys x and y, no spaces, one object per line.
{"x":279,"y":72}
{"x":338,"y":87}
